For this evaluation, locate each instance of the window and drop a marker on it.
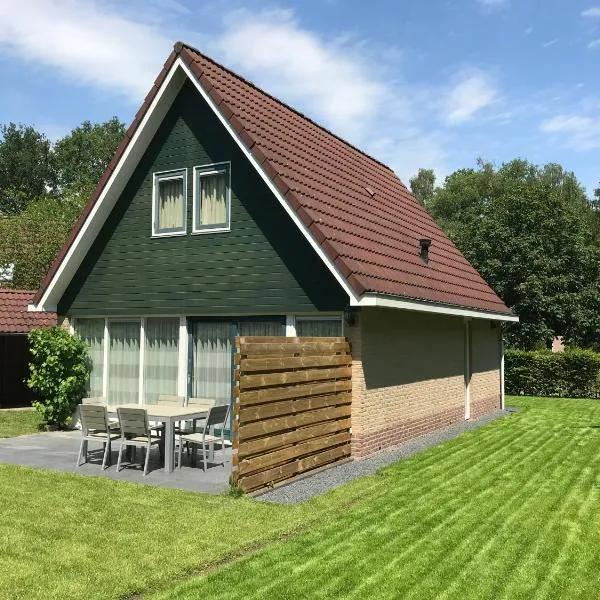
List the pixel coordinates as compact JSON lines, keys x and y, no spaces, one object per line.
{"x":323,"y":327}
{"x":123,"y":362}
{"x":169,"y":203}
{"x":91,"y":331}
{"x":212,"y":198}
{"x":161,"y":358}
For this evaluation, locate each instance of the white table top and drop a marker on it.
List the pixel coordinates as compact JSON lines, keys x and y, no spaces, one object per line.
{"x":166,"y":411}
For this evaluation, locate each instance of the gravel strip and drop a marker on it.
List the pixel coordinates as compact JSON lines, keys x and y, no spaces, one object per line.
{"x":317,"y":484}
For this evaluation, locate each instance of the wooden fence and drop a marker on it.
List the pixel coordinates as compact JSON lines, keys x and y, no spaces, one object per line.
{"x":292,"y":408}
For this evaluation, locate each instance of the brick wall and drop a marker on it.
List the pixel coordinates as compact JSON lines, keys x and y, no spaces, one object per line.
{"x":485,"y":368}
{"x":409,"y":378}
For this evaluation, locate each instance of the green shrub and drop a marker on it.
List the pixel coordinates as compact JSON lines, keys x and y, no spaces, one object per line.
{"x":571,"y":374}
{"x":58,"y":373}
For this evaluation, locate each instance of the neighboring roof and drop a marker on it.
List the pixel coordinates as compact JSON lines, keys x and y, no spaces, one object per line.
{"x":14,"y":317}
{"x":359,"y":212}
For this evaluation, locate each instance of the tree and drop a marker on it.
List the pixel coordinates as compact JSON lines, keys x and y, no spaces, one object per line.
{"x":81,"y":157}
{"x":32,"y":238}
{"x":422,"y":185}
{"x":26,"y":169}
{"x":528,"y":230}
{"x":43,"y":189}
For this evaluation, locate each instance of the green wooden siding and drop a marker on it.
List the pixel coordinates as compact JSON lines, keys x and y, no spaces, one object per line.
{"x":262,"y":266}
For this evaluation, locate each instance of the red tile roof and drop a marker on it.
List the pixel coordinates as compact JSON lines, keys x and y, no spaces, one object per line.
{"x":14,"y":317}
{"x":357,"y":209}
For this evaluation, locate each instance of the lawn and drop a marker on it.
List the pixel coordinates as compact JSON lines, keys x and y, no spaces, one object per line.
{"x":506,"y":511}
{"x":18,"y":422}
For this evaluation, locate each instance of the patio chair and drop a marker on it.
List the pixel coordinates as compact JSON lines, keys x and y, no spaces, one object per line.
{"x":101,"y":401}
{"x":137,"y":433}
{"x":95,"y":428}
{"x":191,"y":426}
{"x":169,"y":400}
{"x":217,"y":415}
{"x":195,"y":425}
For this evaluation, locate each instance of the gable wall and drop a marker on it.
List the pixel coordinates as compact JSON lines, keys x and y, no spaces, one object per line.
{"x":262,"y":266}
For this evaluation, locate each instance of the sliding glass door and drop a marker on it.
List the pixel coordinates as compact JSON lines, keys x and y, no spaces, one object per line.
{"x":161,"y":358}
{"x":123,"y":362}
{"x":91,"y":332}
{"x":211,"y":360}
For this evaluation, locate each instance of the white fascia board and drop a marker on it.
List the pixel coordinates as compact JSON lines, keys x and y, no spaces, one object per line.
{"x":112,"y":190}
{"x":284,"y":203}
{"x":430,"y":307}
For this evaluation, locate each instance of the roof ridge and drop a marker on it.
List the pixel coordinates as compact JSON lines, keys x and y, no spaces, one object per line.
{"x":178,"y":46}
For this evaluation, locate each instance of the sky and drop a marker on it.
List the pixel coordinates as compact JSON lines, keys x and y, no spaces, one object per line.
{"x":415,"y":83}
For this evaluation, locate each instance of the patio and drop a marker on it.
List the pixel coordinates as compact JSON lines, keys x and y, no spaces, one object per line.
{"x":58,"y":451}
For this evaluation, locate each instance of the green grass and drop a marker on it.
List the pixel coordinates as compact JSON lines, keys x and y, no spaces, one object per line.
{"x":506,"y":511}
{"x":18,"y":422}
{"x":67,"y":536}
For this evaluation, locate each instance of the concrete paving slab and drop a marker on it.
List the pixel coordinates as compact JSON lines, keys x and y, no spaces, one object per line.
{"x":58,"y":450}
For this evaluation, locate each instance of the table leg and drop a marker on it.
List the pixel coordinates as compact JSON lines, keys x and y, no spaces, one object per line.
{"x":169,"y":443}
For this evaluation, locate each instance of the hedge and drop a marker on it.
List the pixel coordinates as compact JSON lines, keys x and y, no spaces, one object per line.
{"x":574,"y":373}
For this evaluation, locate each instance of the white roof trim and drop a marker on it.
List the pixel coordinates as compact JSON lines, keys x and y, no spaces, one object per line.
{"x":129,"y":161}
{"x":112,"y":190}
{"x":430,"y":307}
{"x":284,"y":203}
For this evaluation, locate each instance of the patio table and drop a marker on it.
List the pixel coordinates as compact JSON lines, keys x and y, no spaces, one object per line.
{"x":169,"y":415}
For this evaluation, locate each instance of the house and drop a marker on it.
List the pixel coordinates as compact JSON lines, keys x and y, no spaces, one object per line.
{"x":15,"y":323}
{"x":225,"y":212}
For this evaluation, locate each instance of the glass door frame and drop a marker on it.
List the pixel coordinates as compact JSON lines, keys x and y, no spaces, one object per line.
{"x":234,"y":328}
{"x":108,"y":322}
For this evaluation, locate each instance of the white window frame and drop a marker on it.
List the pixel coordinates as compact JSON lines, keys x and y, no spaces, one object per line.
{"x":203,"y":171}
{"x":171,"y":175}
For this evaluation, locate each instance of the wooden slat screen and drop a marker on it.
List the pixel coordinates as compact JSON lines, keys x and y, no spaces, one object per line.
{"x":292,"y":408}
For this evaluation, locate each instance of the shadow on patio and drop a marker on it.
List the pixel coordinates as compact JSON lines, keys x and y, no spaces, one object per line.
{"x":58,"y":450}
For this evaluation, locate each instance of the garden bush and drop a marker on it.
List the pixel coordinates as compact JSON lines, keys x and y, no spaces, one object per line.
{"x":574,"y":373}
{"x":58,"y":373}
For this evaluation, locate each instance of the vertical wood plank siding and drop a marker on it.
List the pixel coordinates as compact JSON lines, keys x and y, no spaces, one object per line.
{"x":263,"y":265}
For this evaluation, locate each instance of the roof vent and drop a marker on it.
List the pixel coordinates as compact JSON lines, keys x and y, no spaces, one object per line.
{"x":370,"y":191}
{"x":424,"y":253}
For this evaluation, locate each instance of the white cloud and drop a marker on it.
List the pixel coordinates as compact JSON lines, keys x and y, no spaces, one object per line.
{"x":591,"y":12}
{"x":576,"y":131}
{"x":87,"y":43}
{"x":329,"y":78}
{"x":594,"y":44}
{"x":473,"y":92}
{"x":550,"y":43}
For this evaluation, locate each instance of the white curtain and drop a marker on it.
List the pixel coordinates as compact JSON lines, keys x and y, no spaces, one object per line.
{"x":91,"y":332}
{"x":318,"y":327}
{"x":123,"y":362}
{"x":170,"y":204}
{"x":161,"y":358}
{"x":213,"y":199}
{"x":211,"y":361}
{"x":269,"y":328}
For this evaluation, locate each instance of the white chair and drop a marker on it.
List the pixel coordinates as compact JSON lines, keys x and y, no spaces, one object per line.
{"x":136,"y":432}
{"x":95,"y":428}
{"x":192,"y":426}
{"x":101,"y":401}
{"x":217,"y":415}
{"x":195,"y":425}
{"x":169,"y":400}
